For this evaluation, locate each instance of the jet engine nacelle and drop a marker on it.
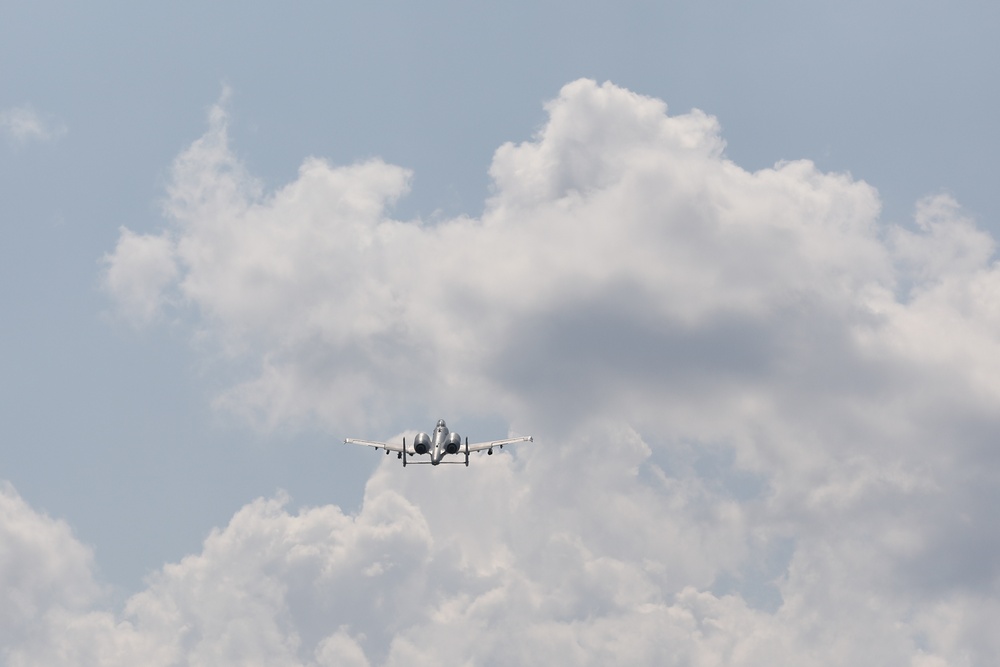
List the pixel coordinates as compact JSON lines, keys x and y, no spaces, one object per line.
{"x":453,"y":443}
{"x":422,"y":443}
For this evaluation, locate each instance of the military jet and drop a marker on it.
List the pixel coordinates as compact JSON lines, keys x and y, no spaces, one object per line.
{"x":442,"y":443}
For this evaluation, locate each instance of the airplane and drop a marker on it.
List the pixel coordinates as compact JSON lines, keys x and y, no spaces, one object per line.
{"x":443,"y":442}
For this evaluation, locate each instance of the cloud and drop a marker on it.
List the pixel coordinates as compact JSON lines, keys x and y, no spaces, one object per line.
{"x":341,"y":307}
{"x":766,"y":423}
{"x":41,"y":566}
{"x":23,"y":124}
{"x":597,"y":565}
{"x":137,"y":275}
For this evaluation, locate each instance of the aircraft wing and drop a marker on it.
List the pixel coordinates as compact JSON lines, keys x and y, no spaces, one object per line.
{"x":480,"y":446}
{"x":377,"y":445}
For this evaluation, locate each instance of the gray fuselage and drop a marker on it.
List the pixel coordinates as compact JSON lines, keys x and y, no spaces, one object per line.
{"x":438,"y":442}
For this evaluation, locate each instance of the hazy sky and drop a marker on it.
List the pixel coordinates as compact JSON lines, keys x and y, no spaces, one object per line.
{"x":732,"y":264}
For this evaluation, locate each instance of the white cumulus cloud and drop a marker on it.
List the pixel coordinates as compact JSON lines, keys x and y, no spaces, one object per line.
{"x":139,"y":271}
{"x":766,"y":423}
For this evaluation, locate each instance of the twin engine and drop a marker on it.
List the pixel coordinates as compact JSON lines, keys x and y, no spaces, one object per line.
{"x":422,"y":443}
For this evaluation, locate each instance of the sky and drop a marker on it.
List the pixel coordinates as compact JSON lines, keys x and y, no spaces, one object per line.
{"x":731,"y":264}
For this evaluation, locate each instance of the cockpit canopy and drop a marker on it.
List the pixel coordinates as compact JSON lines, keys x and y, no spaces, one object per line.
{"x":441,"y":424}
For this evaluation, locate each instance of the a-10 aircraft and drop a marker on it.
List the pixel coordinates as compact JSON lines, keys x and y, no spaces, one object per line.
{"x":442,"y":443}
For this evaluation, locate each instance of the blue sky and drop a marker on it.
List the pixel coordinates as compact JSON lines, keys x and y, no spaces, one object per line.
{"x":799,"y":351}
